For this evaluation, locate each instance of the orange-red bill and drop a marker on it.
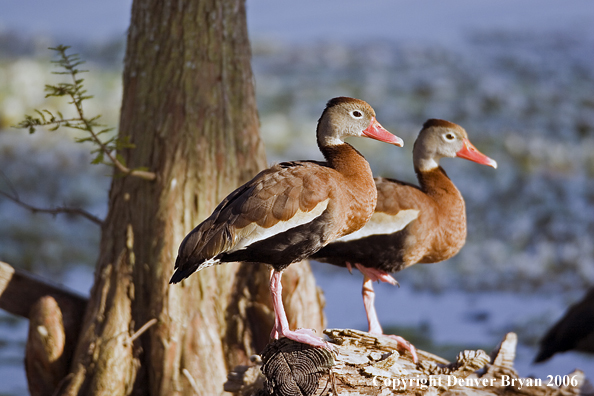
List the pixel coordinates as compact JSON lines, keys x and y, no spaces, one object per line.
{"x":378,"y":132}
{"x":469,"y":152}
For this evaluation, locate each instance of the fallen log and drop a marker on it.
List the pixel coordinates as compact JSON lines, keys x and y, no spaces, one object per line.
{"x":55,"y":316}
{"x":46,"y":353}
{"x":365,"y":364}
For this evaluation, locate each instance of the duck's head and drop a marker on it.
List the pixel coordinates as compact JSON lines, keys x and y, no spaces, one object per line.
{"x":441,"y":138}
{"x":344,"y":117}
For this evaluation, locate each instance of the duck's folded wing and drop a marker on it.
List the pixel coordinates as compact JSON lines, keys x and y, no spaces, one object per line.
{"x":281,"y":198}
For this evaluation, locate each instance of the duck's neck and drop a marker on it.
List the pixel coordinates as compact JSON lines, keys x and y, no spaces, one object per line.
{"x":451,"y":213}
{"x":450,"y":224}
{"x":358,"y":194}
{"x":436,"y":183}
{"x":345,"y":159}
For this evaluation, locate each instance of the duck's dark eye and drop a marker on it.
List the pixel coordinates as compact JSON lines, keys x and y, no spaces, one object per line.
{"x":449,"y":136}
{"x":356,"y":114}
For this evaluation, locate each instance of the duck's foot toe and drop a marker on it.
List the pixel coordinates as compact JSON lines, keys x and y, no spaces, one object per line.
{"x":404,"y":345}
{"x":307,"y":336}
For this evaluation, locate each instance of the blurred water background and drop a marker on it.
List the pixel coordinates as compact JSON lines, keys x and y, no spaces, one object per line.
{"x":518,"y":77}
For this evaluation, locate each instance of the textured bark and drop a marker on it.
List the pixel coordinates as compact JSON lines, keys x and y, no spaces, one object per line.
{"x":189,"y":107}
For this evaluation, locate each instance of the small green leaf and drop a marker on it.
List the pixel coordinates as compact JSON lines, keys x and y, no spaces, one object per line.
{"x":40,"y":114}
{"x":98,"y":158}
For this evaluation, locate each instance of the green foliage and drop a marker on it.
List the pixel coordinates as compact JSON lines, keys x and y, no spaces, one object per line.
{"x":74,"y":89}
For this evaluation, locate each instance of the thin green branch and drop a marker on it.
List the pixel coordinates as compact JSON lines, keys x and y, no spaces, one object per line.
{"x":75,"y":90}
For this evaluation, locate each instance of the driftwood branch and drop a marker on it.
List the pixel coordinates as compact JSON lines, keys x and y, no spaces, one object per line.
{"x":20,"y":290}
{"x":47,"y":353}
{"x":364,"y":364}
{"x":55,"y":315}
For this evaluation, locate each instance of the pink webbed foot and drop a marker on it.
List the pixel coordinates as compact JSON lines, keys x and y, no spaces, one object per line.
{"x":281,"y":323}
{"x":403,"y":345}
{"x":306,"y":336}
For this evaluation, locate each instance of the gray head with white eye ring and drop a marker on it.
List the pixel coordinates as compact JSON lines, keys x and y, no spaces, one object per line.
{"x":344,"y":117}
{"x":441,"y":138}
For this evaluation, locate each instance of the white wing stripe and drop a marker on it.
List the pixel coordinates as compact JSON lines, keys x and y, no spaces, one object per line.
{"x":382,"y":224}
{"x":254,"y":233}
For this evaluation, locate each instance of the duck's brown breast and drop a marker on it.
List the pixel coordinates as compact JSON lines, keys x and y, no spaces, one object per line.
{"x":355,"y":197}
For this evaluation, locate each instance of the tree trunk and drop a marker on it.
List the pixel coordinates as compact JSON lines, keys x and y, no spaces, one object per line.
{"x":189,"y":107}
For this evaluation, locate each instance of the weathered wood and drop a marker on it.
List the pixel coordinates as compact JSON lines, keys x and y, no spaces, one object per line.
{"x":20,"y":290}
{"x":55,"y":315}
{"x":295,"y":369}
{"x":364,"y":364}
{"x":46,"y":362}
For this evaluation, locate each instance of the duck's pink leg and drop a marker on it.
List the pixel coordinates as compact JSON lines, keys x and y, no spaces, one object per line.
{"x":281,"y":323}
{"x":274,"y":333}
{"x":372,"y":320}
{"x":369,"y":302}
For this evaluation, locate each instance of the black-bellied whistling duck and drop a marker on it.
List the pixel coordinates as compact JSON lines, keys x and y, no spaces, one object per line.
{"x":574,"y":331}
{"x":289,"y":211}
{"x":411,"y":224}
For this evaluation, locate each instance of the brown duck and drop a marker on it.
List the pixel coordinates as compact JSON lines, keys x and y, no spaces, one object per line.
{"x":411,"y":224}
{"x":289,"y":211}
